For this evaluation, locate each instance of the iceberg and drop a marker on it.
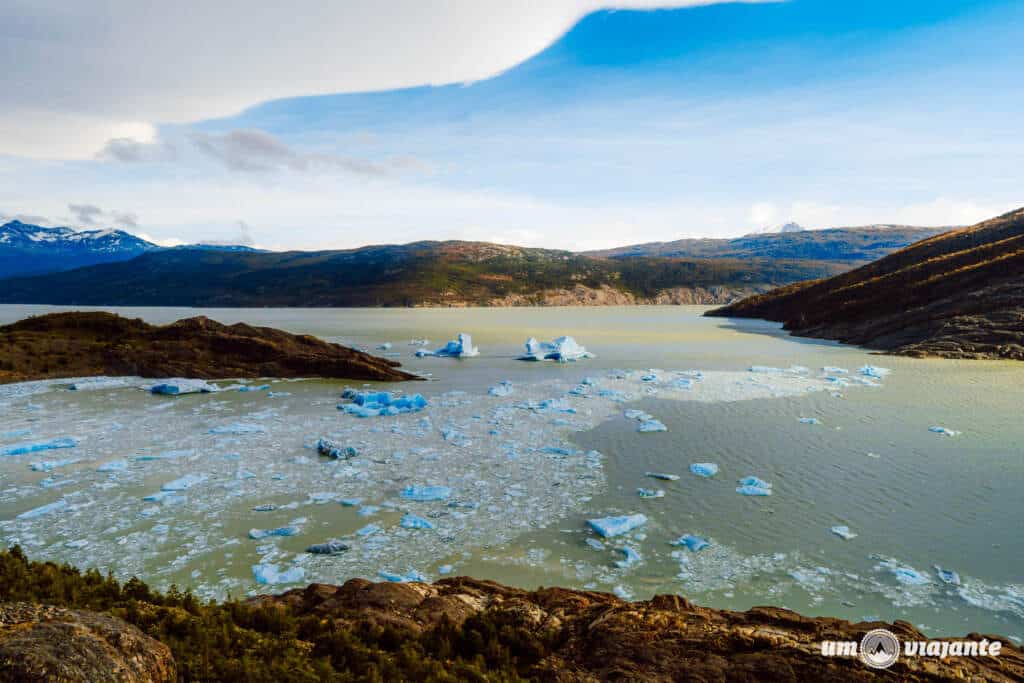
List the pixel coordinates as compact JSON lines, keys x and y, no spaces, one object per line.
{"x":268,"y":574}
{"x":843,"y":532}
{"x":257,"y":534}
{"x":113,"y":466}
{"x":411,"y":521}
{"x":328,"y":548}
{"x":662,"y":476}
{"x":333,"y":449}
{"x":461,"y":347}
{"x":24,"y":448}
{"x":386,"y":346}
{"x":248,"y":387}
{"x":752,"y":486}
{"x":239,"y":428}
{"x":692,"y":543}
{"x":650,"y":493}
{"x":874,"y":372}
{"x":947,"y":575}
{"x":631,"y":557}
{"x":652,"y":425}
{"x":423,"y":494}
{"x":595,"y":544}
{"x":502,"y":388}
{"x":608,"y":527}
{"x":561,"y":350}
{"x":50,"y":465}
{"x":184,"y":483}
{"x":179,"y":386}
{"x":810,"y":421}
{"x":378,"y":403}
{"x":368,"y":530}
{"x":704,"y":469}
{"x":944,"y":431}
{"x":411,"y":575}
{"x":43,"y":510}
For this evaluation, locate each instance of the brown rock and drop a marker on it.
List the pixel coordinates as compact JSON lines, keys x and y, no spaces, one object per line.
{"x":84,"y":344}
{"x":43,"y":643}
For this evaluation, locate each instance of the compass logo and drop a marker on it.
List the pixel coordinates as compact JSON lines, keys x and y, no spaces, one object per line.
{"x":879,"y":648}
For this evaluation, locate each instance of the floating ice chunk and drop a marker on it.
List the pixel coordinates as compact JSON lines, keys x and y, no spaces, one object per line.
{"x":650,"y":493}
{"x":179,"y":386}
{"x":908,"y":575}
{"x":874,"y":372}
{"x":650,"y":376}
{"x":595,"y":544}
{"x":561,"y":350}
{"x":264,"y":507}
{"x":411,"y":521}
{"x":377,"y":403}
{"x":257,"y":534}
{"x":843,"y":532}
{"x":328,"y":548}
{"x":77,"y":544}
{"x":502,"y":388}
{"x":24,"y":448}
{"x":350,"y":502}
{"x":752,"y":486}
{"x":411,"y":575}
{"x":268,"y":574}
{"x":239,"y":428}
{"x":832,"y":370}
{"x":622,"y":592}
{"x":810,"y":421}
{"x":184,"y":483}
{"x":631,"y":557}
{"x":944,"y":431}
{"x":50,"y":465}
{"x":386,"y":346}
{"x":368,"y":530}
{"x":662,"y":476}
{"x":704,"y":469}
{"x":166,"y":455}
{"x":113,"y":466}
{"x":249,"y":387}
{"x":321,"y":497}
{"x":16,"y":434}
{"x":692,"y":543}
{"x":947,"y":575}
{"x":278,"y":394}
{"x":333,"y":449}
{"x":100,"y":383}
{"x":651,"y":426}
{"x":55,"y":506}
{"x":424,"y":494}
{"x":445,"y":569}
{"x":461,"y":347}
{"x":368,"y":510}
{"x":608,"y":527}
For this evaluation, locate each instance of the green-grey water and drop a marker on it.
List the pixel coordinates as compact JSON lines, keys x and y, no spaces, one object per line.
{"x":913,"y":497}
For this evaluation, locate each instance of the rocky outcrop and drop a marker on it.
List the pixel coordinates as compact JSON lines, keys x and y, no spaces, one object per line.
{"x":588,"y":636}
{"x":957,"y":295}
{"x":86,"y":344}
{"x":43,"y":643}
{"x":605,"y":295}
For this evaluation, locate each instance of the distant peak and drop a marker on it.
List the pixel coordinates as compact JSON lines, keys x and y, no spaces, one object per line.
{"x":792,"y":227}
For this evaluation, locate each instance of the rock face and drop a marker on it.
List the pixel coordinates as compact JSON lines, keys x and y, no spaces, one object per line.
{"x":596,"y":636}
{"x":957,"y":295}
{"x":581,"y":295}
{"x":43,"y":643}
{"x":85,"y":344}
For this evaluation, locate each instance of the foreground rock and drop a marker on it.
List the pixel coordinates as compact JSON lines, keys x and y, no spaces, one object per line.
{"x":589,"y":636}
{"x":88,"y":344}
{"x":957,"y":295}
{"x":43,"y":643}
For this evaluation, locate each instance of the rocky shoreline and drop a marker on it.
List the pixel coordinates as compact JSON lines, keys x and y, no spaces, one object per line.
{"x":61,"y":345}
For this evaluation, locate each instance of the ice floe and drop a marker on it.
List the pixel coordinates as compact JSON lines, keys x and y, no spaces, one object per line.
{"x":561,"y":350}
{"x":460,"y":347}
{"x":608,"y":527}
{"x":704,"y":469}
{"x":179,"y":385}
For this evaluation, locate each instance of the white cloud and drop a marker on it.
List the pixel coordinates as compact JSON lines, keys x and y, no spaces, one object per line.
{"x":77,"y":75}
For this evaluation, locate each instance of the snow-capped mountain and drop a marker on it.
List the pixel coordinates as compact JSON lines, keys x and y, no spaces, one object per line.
{"x":29,"y":249}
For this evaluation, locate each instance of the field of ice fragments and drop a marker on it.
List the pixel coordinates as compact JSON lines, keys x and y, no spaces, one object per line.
{"x":223,"y":490}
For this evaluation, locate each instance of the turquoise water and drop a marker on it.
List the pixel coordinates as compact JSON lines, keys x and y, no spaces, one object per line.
{"x":914,"y":498}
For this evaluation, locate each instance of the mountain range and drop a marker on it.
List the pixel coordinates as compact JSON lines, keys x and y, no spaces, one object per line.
{"x":27,"y":249}
{"x":958,"y":295}
{"x":451,"y":273}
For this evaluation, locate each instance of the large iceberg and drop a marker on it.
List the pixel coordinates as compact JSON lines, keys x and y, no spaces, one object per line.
{"x":616,"y":526}
{"x":561,"y":350}
{"x":24,"y":448}
{"x":179,"y":385}
{"x":377,"y":403}
{"x":460,"y":347}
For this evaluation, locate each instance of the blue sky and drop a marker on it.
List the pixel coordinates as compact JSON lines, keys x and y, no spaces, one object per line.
{"x":631,"y":126}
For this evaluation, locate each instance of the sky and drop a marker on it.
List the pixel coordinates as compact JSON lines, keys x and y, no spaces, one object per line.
{"x":563,"y":124}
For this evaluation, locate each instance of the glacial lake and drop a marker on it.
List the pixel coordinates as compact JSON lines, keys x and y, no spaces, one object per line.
{"x":525,"y":471}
